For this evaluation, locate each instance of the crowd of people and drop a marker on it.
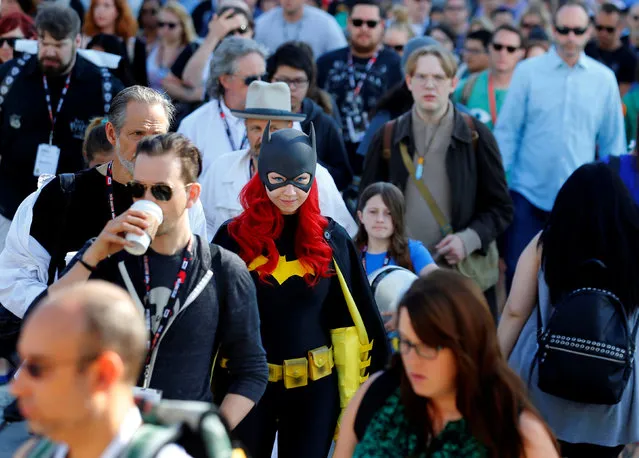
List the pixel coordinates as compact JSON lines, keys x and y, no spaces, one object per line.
{"x":200,"y":201}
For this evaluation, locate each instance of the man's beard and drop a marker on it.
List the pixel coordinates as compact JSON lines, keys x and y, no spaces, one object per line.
{"x":364,"y":49}
{"x":60,"y":70}
{"x":128,"y":165}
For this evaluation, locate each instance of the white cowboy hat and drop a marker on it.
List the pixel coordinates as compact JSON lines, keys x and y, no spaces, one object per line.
{"x":271,"y":101}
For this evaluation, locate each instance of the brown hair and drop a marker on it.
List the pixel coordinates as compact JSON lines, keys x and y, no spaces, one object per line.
{"x":394,"y":200}
{"x":448,"y":310}
{"x":95,"y":140}
{"x":446,"y":59}
{"x":189,"y":154}
{"x":125,"y":25}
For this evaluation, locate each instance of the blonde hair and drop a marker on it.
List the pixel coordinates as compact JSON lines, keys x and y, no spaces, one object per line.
{"x":446,"y":59}
{"x":400,"y":22}
{"x":188,"y":30}
{"x":538,"y":9}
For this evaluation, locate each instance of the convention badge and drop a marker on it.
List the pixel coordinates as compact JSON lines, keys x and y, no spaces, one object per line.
{"x":147,"y":395}
{"x":357,"y":125}
{"x":47,"y":159}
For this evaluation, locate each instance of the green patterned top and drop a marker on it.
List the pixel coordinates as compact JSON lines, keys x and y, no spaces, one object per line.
{"x":389,"y":435}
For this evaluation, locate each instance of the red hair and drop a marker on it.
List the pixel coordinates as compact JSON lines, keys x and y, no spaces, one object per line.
{"x":261,"y":223}
{"x":18,"y":21}
{"x":125,"y":25}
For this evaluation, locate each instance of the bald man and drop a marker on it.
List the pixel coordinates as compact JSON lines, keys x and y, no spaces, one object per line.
{"x":82,"y":351}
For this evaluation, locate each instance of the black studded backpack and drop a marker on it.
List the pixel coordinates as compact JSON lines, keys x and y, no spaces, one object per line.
{"x":586,"y":351}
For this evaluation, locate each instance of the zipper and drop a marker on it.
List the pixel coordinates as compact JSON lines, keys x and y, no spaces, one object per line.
{"x":587,"y":355}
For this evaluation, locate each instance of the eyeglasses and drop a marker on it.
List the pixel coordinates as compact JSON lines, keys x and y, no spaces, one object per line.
{"x":162,"y":192}
{"x":37,"y":370}
{"x":601,"y":28}
{"x":239,"y":31}
{"x":170,"y":25}
{"x":566,"y":30}
{"x":10,"y":41}
{"x":249,"y":79}
{"x":454,"y":8}
{"x":498,"y":47}
{"x":420,"y":78}
{"x":422,"y":350}
{"x":398,"y":48}
{"x":528,"y":25}
{"x":360,"y":22}
{"x":293,"y":84}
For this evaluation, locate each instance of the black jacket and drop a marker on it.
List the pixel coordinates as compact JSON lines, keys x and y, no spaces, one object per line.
{"x":182,"y":362}
{"x":331,"y":152}
{"x":25,"y":124}
{"x":479,"y":193}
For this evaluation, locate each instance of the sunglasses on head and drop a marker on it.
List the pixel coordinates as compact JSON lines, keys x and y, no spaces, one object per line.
{"x":160,"y":191}
{"x":170,"y":25}
{"x":10,"y":41}
{"x":360,"y":22}
{"x":601,"y":28}
{"x":249,"y":79}
{"x":567,"y":30}
{"x":499,"y":47}
{"x":239,"y":31}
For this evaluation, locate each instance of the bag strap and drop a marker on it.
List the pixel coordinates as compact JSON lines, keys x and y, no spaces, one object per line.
{"x":387,"y":139}
{"x":11,"y":77}
{"x":67,"y":185}
{"x":468,"y":88}
{"x":469,"y":120}
{"x":150,"y":439}
{"x":352,"y":308}
{"x":444,"y":225}
{"x":220,"y":288}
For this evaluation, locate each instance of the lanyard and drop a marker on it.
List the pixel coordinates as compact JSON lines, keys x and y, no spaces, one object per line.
{"x":387,"y":258}
{"x":109,"y":188}
{"x":47,"y":96}
{"x":491,"y":100}
{"x":351,"y":73}
{"x":154,"y":338}
{"x":228,"y":129}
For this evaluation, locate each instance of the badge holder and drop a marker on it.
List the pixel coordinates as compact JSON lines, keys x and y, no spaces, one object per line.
{"x":47,"y":158}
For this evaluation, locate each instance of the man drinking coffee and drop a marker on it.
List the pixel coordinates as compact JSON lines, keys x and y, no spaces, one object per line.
{"x":180,"y":351}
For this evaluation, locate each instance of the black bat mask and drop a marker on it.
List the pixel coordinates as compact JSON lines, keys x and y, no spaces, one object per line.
{"x":288,"y":152}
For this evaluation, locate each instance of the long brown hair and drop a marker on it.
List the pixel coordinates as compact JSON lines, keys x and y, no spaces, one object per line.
{"x":448,"y":310}
{"x":125,"y":25}
{"x":394,"y":200}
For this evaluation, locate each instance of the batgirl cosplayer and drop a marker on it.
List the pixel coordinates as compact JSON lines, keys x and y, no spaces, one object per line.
{"x":321,"y":329}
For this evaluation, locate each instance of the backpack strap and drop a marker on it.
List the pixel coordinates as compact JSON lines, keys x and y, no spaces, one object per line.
{"x":11,"y":76}
{"x":387,"y":139}
{"x":107,"y":89}
{"x":219,"y":276}
{"x":469,"y":85}
{"x":67,"y":185}
{"x":150,"y":439}
{"x":373,"y":400}
{"x":470,"y":122}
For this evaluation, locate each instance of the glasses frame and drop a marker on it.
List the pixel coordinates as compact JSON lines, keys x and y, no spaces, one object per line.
{"x":499,"y":46}
{"x":155,"y":190}
{"x":169,"y":25}
{"x":371,"y":24}
{"x":578,"y":31}
{"x":293,"y":84}
{"x":405,"y":346}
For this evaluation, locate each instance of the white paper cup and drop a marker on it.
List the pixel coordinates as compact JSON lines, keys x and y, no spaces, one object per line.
{"x":142,"y":242}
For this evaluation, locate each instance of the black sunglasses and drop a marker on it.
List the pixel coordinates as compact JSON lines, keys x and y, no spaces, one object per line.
{"x":636,"y":18}
{"x":10,"y":41}
{"x":567,"y":30}
{"x":360,"y":22}
{"x":170,"y":25}
{"x":601,"y":28}
{"x":398,"y":48}
{"x":499,"y":47}
{"x":162,"y":192}
{"x":239,"y":31}
{"x":249,"y":79}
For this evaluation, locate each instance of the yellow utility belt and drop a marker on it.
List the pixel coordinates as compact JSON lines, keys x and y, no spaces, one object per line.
{"x":296,"y":372}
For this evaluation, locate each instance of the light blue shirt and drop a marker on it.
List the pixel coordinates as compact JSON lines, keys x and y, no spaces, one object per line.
{"x":552,"y":120}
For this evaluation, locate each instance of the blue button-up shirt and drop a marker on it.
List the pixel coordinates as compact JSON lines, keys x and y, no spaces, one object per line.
{"x":552,"y":120}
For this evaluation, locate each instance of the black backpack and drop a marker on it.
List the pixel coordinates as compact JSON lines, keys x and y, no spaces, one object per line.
{"x":586,"y":351}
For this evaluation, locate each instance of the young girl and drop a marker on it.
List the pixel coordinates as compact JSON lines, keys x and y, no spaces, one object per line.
{"x":381,"y":238}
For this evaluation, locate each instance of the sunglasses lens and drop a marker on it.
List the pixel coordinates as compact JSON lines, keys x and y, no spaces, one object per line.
{"x":33,"y":369}
{"x":358,"y":22}
{"x":161,"y":192}
{"x":137,"y":190}
{"x":371,"y":24}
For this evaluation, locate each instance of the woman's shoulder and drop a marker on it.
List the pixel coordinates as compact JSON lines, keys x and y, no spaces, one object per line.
{"x":373,"y":396}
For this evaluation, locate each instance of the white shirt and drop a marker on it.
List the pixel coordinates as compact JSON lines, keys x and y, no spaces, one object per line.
{"x":127,"y":430}
{"x":222,"y":183}
{"x":24,"y":262}
{"x":207,"y":130}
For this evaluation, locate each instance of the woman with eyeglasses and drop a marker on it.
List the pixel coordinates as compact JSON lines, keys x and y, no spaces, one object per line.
{"x":399,"y":31}
{"x":448,"y":393}
{"x":14,"y":27}
{"x":114,"y":17}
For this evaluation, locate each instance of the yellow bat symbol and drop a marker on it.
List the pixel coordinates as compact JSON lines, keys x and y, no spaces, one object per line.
{"x":284,"y":270}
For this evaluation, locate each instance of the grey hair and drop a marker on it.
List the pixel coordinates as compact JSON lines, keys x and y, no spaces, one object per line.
{"x":224,"y":61}
{"x":141,"y":94}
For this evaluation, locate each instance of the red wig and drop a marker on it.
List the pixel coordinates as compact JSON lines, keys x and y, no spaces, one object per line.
{"x":261,"y":223}
{"x":18,"y":21}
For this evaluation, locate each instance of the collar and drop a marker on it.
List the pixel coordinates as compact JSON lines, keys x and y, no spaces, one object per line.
{"x":227,"y":112}
{"x":132,"y":421}
{"x":557,"y":62}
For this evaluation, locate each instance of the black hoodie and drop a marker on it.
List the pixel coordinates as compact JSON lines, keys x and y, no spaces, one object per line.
{"x":331,"y":152}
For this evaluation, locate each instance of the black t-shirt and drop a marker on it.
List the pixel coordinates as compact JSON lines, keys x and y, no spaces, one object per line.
{"x":180,"y":62}
{"x":356,"y":110}
{"x":622,"y":61}
{"x":163,"y":270}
